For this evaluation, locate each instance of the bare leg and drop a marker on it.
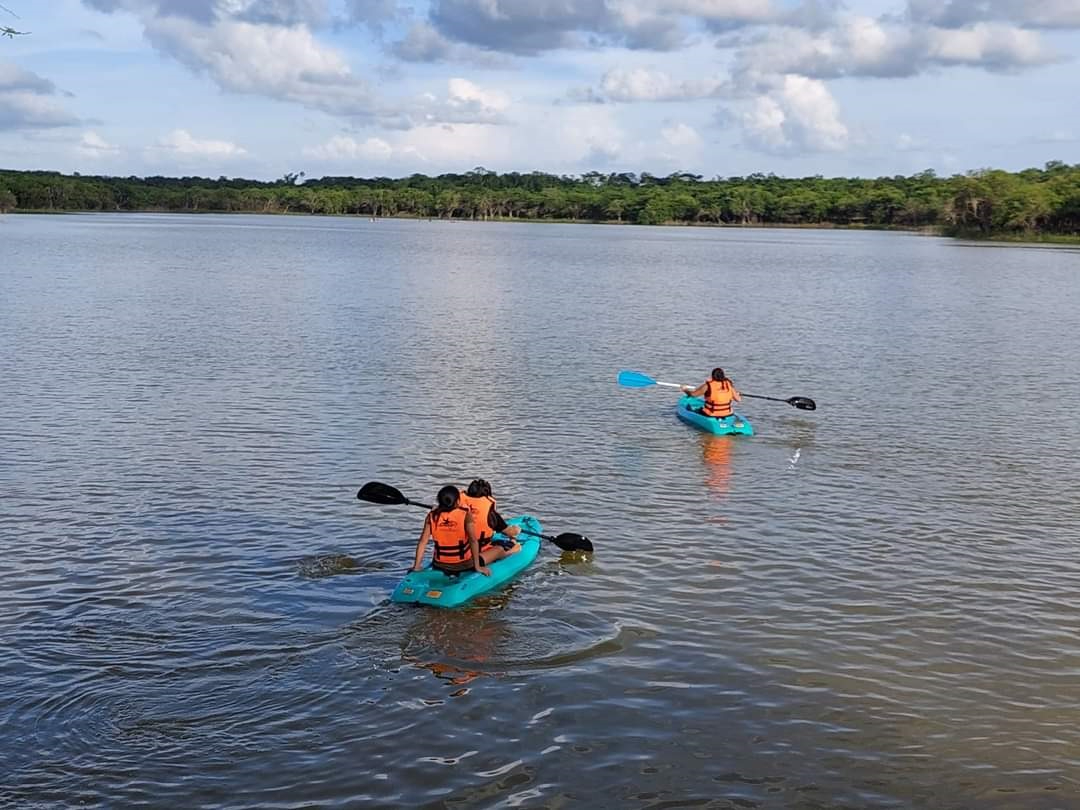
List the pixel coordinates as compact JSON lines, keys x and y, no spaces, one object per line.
{"x":493,"y":553}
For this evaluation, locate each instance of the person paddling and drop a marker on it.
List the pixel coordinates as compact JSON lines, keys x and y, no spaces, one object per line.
{"x":478,"y":499}
{"x":457,"y":547}
{"x":719,"y":393}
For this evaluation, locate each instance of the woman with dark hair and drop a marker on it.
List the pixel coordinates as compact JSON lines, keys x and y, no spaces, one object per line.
{"x":719,"y":392}
{"x":478,"y":499}
{"x":457,"y":547}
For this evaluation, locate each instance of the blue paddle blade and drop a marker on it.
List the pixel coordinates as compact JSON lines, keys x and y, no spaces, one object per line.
{"x":635,"y":379}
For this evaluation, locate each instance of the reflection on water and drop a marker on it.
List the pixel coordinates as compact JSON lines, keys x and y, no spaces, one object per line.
{"x":716,"y":453}
{"x":456,"y":645}
{"x":873,"y":605}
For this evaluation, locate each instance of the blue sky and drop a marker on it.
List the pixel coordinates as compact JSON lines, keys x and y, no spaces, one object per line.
{"x":258,"y":88}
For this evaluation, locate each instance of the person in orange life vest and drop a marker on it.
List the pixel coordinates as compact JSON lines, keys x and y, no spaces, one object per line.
{"x":481,"y":505}
{"x":457,"y":546}
{"x":719,"y":393}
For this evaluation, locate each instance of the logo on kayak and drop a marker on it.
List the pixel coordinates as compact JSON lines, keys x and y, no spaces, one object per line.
{"x":433,"y":594}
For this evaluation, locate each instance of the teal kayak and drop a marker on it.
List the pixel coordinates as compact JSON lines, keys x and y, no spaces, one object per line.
{"x":688,"y":410}
{"x":431,"y":587}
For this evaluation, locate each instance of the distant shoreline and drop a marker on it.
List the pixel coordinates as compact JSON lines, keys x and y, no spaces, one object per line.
{"x":1032,"y":206}
{"x":1047,"y":240}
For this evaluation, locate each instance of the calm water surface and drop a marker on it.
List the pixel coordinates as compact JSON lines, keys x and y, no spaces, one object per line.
{"x":872,"y":605}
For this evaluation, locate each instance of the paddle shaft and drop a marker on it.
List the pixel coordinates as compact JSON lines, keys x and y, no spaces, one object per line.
{"x":635,"y":379}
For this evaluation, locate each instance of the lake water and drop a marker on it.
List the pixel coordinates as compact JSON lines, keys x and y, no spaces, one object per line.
{"x":873,"y":605}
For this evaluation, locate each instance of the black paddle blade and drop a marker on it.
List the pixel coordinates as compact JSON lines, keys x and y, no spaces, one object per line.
{"x":803,"y":403}
{"x":376,"y":492}
{"x":572,"y":542}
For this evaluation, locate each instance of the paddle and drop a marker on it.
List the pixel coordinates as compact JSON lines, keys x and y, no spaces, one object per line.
{"x":802,"y":403}
{"x":635,"y":379}
{"x":377,"y":492}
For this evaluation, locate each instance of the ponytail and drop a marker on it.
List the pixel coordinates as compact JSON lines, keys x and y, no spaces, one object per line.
{"x":446,"y":500}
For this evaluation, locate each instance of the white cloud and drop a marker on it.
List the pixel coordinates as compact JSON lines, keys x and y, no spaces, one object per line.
{"x":26,"y":103}
{"x":991,"y":45}
{"x":763,"y":124}
{"x":285,"y":63}
{"x":643,"y":84}
{"x":246,"y":57}
{"x":289,"y":63}
{"x":909,"y":143}
{"x":680,"y":145}
{"x":462,"y":145}
{"x":181,"y":142}
{"x":343,"y":147}
{"x":464,"y":103}
{"x":445,"y":146}
{"x":93,"y":145}
{"x":861,"y":46}
{"x":799,"y":115}
{"x":464,"y":93}
{"x":589,"y":136}
{"x":681,"y":135}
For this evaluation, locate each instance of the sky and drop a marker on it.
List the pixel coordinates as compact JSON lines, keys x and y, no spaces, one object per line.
{"x":261,"y":88}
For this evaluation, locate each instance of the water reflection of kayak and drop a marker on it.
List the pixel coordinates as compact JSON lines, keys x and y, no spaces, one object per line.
{"x":687,"y":410}
{"x":431,"y":587}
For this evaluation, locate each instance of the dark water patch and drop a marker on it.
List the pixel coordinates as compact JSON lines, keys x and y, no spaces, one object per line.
{"x":328,"y":565}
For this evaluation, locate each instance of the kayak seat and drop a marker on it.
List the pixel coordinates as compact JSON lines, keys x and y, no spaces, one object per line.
{"x":717,"y":418}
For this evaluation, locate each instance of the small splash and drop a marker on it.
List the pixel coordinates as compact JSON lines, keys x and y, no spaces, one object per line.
{"x":328,"y":565}
{"x":795,"y":458}
{"x":577,"y":556}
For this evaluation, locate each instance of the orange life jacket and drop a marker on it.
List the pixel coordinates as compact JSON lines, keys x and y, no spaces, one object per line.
{"x":718,"y":398}
{"x":451,"y":541}
{"x":480,"y":509}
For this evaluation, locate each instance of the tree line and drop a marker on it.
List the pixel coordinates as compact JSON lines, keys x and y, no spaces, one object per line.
{"x":985,"y":203}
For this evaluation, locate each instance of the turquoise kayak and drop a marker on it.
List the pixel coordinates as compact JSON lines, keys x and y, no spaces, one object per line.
{"x":688,"y":410}
{"x":431,"y":587}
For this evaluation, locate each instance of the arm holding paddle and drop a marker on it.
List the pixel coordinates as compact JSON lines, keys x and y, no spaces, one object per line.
{"x":703,"y":389}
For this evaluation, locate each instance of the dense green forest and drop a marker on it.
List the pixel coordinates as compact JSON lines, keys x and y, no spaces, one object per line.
{"x":989,"y":203}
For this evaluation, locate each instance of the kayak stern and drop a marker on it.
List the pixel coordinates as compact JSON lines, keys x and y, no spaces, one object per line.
{"x":688,"y":410}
